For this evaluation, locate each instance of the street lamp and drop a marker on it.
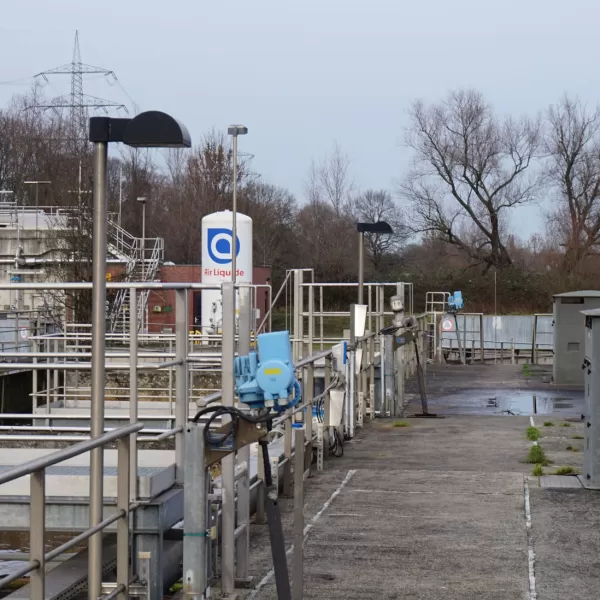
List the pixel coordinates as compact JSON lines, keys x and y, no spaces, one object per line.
{"x":152,"y":129}
{"x":234,"y":131}
{"x":380,"y":227}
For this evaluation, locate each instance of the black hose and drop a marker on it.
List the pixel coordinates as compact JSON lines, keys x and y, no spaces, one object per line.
{"x":236,"y":414}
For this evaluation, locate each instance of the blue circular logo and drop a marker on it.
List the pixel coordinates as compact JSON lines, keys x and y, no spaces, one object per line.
{"x":219,"y":245}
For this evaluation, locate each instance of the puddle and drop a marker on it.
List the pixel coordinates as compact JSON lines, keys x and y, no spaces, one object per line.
{"x":511,"y":402}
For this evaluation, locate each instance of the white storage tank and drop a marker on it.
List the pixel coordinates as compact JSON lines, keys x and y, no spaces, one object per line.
{"x":216,"y":262}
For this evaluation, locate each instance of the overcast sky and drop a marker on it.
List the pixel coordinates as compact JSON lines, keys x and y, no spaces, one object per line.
{"x":302,"y":75}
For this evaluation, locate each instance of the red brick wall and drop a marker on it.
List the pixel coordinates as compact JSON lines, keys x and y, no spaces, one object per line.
{"x":157,"y":321}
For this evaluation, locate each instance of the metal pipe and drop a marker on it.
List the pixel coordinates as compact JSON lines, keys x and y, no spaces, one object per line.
{"x":133,"y":391}
{"x":298,"y":556}
{"x":84,"y":536}
{"x":242,"y":544}
{"x":195,"y":523}
{"x":18,"y":573}
{"x":44,"y":462}
{"x":170,"y":433}
{"x":227,"y":463}
{"x":234,"y":216}
{"x":361,"y":266}
{"x":98,"y":363}
{"x":181,"y":378}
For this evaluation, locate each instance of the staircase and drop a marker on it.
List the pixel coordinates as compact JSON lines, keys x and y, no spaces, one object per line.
{"x":142,"y":259}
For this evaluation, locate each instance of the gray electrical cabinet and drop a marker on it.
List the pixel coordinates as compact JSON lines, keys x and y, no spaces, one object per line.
{"x":569,"y":334}
{"x":590,"y":368}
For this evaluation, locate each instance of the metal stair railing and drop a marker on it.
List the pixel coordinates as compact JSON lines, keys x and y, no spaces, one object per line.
{"x":142,"y":266}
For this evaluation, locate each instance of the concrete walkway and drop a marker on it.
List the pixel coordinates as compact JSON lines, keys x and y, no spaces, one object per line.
{"x":442,"y":509}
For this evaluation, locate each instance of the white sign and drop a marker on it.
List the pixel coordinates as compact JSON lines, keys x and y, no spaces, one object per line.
{"x":24,"y":332}
{"x":448,"y":325}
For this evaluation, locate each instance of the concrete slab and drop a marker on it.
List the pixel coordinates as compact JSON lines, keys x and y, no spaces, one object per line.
{"x":560,"y":482}
{"x":74,"y":482}
{"x":435,"y":510}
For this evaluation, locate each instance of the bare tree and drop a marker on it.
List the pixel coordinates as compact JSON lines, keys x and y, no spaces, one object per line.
{"x":378,"y":205}
{"x":573,"y":145}
{"x":469,"y":170}
{"x":273,"y":210}
{"x":329,"y":181}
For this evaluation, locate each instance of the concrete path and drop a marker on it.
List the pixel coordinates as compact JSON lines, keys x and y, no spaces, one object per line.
{"x":444,"y":509}
{"x":430,"y":511}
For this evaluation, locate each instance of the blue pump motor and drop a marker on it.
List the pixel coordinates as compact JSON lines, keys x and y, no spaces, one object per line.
{"x":266,"y":378}
{"x":455,"y":302}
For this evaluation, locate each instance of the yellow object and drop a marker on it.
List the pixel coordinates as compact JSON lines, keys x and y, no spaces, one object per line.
{"x":272,"y":371}
{"x":108,"y":277}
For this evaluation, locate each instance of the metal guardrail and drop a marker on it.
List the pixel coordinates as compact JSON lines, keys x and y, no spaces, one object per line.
{"x":36,"y":468}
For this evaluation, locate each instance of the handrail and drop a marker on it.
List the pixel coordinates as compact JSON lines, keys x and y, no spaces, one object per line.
{"x":44,"y":462}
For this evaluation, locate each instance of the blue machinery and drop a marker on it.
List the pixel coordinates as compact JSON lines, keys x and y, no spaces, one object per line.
{"x":266,"y":379}
{"x":455,"y":302}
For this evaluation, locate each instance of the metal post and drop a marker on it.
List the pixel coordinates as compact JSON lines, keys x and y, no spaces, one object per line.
{"x":228,"y":462}
{"x":372,"y":376}
{"x":298,"y":558}
{"x":123,"y":479}
{"x":194,"y":515}
{"x":534,"y":341}
{"x":260,"y":517}
{"x":327,"y":406}
{"x":143,"y":240}
{"x":133,"y":391}
{"x":37,"y":535}
{"x":512,"y":351}
{"x":351,"y":400}
{"x":321,"y":330}
{"x":234,"y":218}
{"x":481,"y":338}
{"x":98,"y":366}
{"x":181,"y":378}
{"x":242,"y":548}
{"x":308,"y":398}
{"x":287,"y":453}
{"x":361,"y":266}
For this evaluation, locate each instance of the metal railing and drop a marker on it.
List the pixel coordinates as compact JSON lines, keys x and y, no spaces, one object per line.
{"x":234,"y":534}
{"x":36,"y":468}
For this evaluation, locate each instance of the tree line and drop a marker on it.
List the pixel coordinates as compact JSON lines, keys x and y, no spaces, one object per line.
{"x":450,"y":211}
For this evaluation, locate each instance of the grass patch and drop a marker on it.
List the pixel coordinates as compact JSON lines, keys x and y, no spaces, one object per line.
{"x":400,"y":424}
{"x":537,"y":456}
{"x":533,"y":434}
{"x":548,"y":424}
{"x":526,"y":370}
{"x":565,"y":424}
{"x":538,"y":471}
{"x":566,"y":471}
{"x":577,"y":437}
{"x":571,"y":448}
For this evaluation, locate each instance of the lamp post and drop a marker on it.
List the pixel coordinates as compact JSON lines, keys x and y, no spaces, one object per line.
{"x":152,"y":129}
{"x":380,"y":227}
{"x":234,"y":131}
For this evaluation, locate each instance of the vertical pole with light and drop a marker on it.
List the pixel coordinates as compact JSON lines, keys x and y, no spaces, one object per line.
{"x":234,"y":131}
{"x":152,"y":129}
{"x":229,"y":331}
{"x":381,"y":227}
